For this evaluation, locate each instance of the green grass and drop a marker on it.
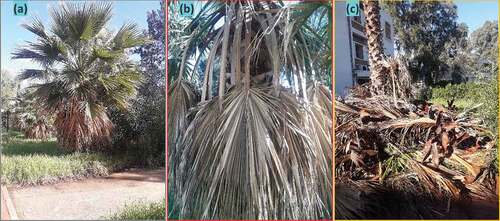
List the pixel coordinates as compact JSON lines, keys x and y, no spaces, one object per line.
{"x":141,"y":211}
{"x":461,"y":104}
{"x":31,"y":162}
{"x":468,"y":95}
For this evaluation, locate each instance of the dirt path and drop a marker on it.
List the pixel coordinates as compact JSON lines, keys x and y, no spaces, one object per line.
{"x":88,"y":199}
{"x":4,"y":212}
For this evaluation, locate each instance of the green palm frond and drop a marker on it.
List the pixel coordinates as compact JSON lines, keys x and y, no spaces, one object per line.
{"x":127,"y":37}
{"x":106,"y":54}
{"x":119,"y":87}
{"x":36,"y":27}
{"x":75,"y":22}
{"x":46,"y":51}
{"x":32,"y":74}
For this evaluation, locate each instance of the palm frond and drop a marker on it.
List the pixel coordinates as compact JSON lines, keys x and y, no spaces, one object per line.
{"x":32,"y":74}
{"x":77,"y":130}
{"x":250,"y":160}
{"x":36,"y":27}
{"x":128,"y":36}
{"x":416,"y":153}
{"x":75,"y":22}
{"x":182,"y":97}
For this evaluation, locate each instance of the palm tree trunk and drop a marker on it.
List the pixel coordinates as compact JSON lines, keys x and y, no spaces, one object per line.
{"x":375,"y":48}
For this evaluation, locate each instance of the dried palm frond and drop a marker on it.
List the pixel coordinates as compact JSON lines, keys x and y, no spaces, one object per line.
{"x":414,"y":152}
{"x":79,"y":129}
{"x":181,"y":97}
{"x":251,"y":160}
{"x":399,"y":83}
{"x":318,"y":126}
{"x":38,"y":130}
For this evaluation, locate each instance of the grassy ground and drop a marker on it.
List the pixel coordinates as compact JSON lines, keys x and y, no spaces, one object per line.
{"x":469,"y":95}
{"x":31,"y":162}
{"x":461,"y":104}
{"x":141,"y":211}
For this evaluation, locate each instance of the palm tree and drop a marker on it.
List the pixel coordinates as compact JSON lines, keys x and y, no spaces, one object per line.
{"x":29,"y":118}
{"x":84,"y":70}
{"x":375,"y":48}
{"x":257,"y":143}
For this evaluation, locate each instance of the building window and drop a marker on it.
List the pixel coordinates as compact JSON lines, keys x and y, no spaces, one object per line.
{"x":362,"y":80}
{"x":359,"y":51}
{"x":359,"y":39}
{"x":387,"y":30}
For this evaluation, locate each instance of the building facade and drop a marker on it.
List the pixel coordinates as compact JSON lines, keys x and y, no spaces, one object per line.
{"x":351,"y":48}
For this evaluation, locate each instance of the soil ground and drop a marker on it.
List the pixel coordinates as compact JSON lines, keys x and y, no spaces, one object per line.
{"x":4,"y":211}
{"x":93,"y":198}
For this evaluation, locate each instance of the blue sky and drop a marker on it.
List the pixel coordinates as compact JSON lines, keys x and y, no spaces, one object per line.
{"x":13,"y":35}
{"x":475,"y":13}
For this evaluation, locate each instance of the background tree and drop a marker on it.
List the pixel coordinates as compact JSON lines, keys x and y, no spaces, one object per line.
{"x":9,"y":90}
{"x":85,"y":71}
{"x":141,"y":128}
{"x":9,"y":87}
{"x":483,"y":50}
{"x":432,"y":25}
{"x":456,"y":57}
{"x":177,"y":39}
{"x":30,"y":118}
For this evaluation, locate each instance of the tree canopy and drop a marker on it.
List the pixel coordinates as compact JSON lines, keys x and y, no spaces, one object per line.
{"x":423,"y":31}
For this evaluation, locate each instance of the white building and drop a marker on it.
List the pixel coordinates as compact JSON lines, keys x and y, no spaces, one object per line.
{"x":351,"y":50}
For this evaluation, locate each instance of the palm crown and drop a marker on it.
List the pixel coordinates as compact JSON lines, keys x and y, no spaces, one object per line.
{"x":255,"y":144}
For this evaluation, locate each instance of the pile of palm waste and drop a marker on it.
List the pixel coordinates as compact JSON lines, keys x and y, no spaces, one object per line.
{"x":397,"y":158}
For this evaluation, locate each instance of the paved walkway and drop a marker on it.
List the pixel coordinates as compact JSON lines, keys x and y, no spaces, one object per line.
{"x":90,"y":198}
{"x":4,"y":212}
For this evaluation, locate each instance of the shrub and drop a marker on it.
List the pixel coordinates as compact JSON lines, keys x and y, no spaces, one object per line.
{"x":468,"y":95}
{"x":141,"y":211}
{"x":35,"y":162}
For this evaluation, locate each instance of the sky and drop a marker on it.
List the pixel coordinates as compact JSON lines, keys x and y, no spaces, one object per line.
{"x":13,"y":35}
{"x":475,"y":13}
